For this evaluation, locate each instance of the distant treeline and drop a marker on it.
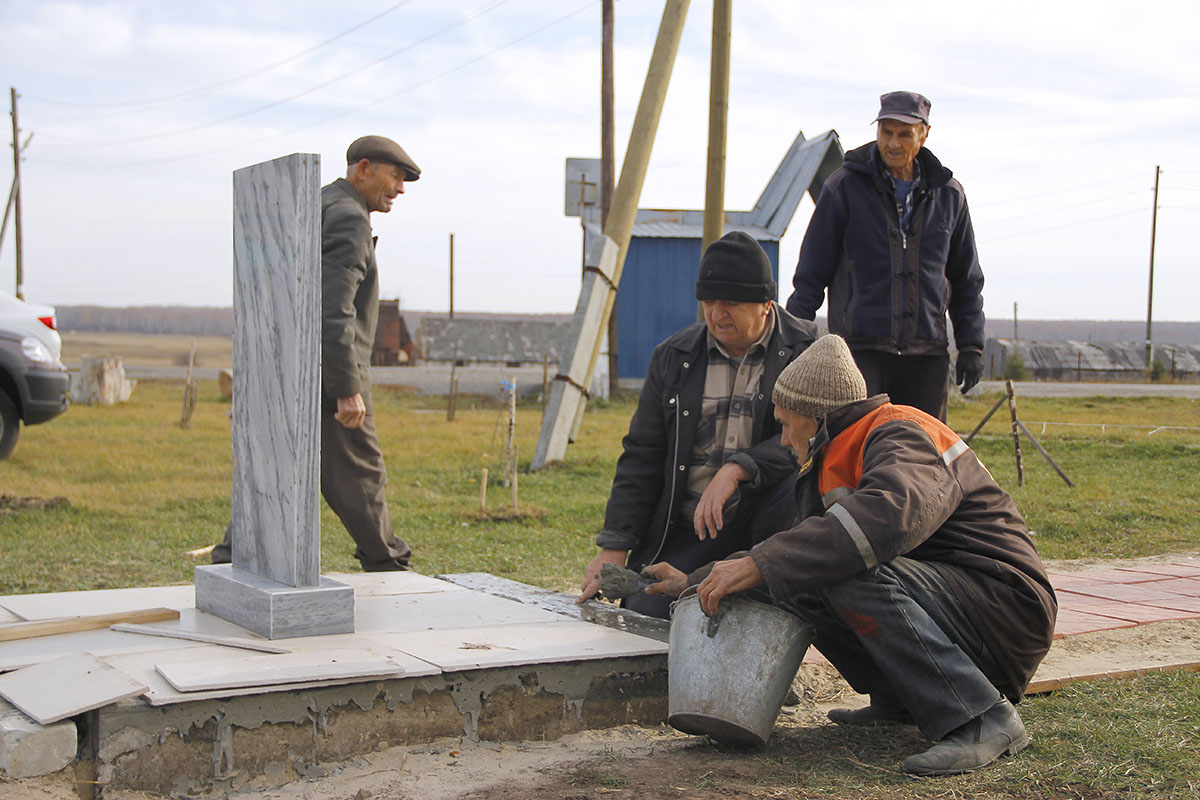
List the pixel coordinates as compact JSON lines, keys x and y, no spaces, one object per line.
{"x":208,"y":321}
{"x":187,"y":320}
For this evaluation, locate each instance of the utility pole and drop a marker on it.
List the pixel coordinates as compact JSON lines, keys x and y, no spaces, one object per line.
{"x":608,"y":162}
{"x":1015,"y":337}
{"x":1150,"y":299}
{"x":12,"y":193}
{"x":718,"y":116}
{"x":16,"y":146}
{"x":452,"y":276}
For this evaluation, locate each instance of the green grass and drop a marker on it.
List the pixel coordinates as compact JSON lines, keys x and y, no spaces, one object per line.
{"x":142,"y":491}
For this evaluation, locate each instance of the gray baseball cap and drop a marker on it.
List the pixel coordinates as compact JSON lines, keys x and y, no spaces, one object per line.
{"x":908,"y":107}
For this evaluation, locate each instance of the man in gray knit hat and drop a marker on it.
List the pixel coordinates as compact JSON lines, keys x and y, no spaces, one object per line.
{"x":702,"y":473}
{"x":913,"y":566}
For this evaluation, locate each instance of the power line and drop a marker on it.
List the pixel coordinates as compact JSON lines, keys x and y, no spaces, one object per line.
{"x":1054,"y":192}
{"x":374,"y":102}
{"x":1068,"y":225}
{"x":191,"y":129}
{"x":1068,"y":208}
{"x":228,"y":82}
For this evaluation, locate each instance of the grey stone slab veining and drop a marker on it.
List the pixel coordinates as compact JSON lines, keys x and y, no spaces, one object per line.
{"x":276,"y":354}
{"x":272,"y":609}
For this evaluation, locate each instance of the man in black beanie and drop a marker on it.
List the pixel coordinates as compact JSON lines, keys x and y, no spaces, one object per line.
{"x":702,"y":473}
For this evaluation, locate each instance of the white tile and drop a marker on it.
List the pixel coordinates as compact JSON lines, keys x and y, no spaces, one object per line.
{"x":415,"y":612}
{"x":64,"y":687}
{"x":103,"y":643}
{"x":141,"y":666}
{"x":516,"y":645}
{"x":223,"y":671}
{"x":375,"y":584}
{"x":53,"y":605}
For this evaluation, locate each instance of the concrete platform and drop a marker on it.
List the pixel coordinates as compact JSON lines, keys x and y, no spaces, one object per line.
{"x":441,"y":657}
{"x":470,"y":656}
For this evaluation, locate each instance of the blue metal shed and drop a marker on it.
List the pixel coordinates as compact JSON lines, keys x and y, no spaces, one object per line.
{"x":657,"y":292}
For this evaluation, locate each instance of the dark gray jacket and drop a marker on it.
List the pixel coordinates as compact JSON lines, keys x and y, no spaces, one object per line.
{"x":349,"y":293}
{"x":651,"y":477}
{"x":890,"y":289}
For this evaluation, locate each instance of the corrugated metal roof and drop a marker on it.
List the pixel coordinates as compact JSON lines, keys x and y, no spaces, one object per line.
{"x":662,"y":229}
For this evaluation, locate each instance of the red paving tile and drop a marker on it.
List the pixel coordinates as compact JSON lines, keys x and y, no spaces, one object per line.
{"x":1126,"y":575}
{"x":1174,"y":570}
{"x":1180,"y":603}
{"x":813,"y":656}
{"x":1071,"y":622}
{"x":1126,"y":592}
{"x":1136,"y":612}
{"x":1074,"y":599}
{"x":1188,"y":587}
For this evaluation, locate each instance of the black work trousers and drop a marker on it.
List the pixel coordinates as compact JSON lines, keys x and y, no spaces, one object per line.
{"x":918,"y":381}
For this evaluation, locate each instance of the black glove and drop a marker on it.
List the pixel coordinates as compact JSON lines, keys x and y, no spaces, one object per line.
{"x":969,"y":369}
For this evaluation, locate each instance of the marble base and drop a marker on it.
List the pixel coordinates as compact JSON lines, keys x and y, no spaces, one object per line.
{"x":274,"y":610}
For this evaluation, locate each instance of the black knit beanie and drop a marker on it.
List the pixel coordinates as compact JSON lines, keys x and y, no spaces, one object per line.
{"x":735,"y":269}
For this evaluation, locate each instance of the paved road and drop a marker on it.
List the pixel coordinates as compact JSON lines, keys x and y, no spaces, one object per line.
{"x":435,"y":379}
{"x":1047,"y":389}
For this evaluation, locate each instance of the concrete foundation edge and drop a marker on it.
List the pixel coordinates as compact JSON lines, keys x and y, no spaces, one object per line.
{"x":267,"y":740}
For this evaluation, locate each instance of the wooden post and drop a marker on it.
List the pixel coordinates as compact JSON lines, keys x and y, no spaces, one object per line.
{"x":1016,"y":431}
{"x":1150,"y":295}
{"x":608,"y":163}
{"x":17,"y":238}
{"x":483,"y":478}
{"x":510,"y":439}
{"x":191,"y":391}
{"x":607,"y":256}
{"x":718,"y":116}
{"x":513,"y":475}
{"x":452,"y":400}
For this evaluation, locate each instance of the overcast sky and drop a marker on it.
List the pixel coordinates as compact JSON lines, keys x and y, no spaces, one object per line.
{"x":1052,"y":114}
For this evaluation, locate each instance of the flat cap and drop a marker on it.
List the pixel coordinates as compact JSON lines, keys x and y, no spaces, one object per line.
{"x":381,"y":148}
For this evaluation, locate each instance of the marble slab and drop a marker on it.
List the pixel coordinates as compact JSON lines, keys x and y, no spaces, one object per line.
{"x":375,"y":584}
{"x":271,"y":609}
{"x":141,"y":667}
{"x":63,"y":687}
{"x":103,"y":643}
{"x":277,"y":378}
{"x":518,"y":645}
{"x":418,"y":612}
{"x":54,"y":605}
{"x":223,"y":672}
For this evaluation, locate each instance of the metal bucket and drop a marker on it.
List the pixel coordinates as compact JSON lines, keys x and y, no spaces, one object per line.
{"x":728,"y":675}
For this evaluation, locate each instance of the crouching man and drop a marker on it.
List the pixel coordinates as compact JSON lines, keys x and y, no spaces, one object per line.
{"x":913,"y":566}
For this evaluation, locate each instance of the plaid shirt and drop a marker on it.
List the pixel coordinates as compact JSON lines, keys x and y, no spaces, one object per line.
{"x":726,"y":416}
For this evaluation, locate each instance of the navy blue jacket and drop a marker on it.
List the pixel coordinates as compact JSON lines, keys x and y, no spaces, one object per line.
{"x":890,"y":289}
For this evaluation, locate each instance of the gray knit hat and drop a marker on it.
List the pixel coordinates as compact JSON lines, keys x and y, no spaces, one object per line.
{"x":822,"y":379}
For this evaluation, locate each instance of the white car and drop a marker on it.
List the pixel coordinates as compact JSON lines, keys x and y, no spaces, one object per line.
{"x":35,"y":319}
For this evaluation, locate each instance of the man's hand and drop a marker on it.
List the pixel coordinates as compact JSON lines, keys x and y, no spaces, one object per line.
{"x":591,"y":576}
{"x":351,"y":411}
{"x":969,"y":369}
{"x":670,"y":581}
{"x":709,"y":517}
{"x":726,"y":578}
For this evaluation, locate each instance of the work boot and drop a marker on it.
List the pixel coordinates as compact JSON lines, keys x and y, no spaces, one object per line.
{"x":996,"y":732}
{"x":870,"y":715}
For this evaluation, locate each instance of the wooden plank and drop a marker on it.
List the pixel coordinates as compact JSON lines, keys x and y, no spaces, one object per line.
{"x":29,"y":630}
{"x":1040,"y":686}
{"x":227,"y":673}
{"x":61,"y":688}
{"x":196,"y":636}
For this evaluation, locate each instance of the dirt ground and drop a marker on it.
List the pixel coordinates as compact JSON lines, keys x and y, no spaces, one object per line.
{"x":660,"y":763}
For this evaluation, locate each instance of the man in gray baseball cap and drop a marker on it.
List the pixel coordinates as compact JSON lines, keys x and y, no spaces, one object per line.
{"x":891,"y":241}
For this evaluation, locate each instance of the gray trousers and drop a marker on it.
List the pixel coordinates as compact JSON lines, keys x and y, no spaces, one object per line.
{"x":353,"y":483}
{"x":898,"y":633}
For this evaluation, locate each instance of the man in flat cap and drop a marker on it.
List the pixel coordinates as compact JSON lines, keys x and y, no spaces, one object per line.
{"x":891,"y":240}
{"x":702,"y":473}
{"x":353,"y":477}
